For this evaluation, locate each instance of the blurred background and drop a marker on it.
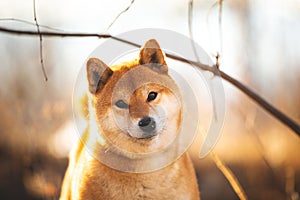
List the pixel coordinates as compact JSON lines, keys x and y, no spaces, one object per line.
{"x":261,"y":48}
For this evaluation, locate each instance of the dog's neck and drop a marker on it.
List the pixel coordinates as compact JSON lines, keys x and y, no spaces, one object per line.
{"x":124,"y":161}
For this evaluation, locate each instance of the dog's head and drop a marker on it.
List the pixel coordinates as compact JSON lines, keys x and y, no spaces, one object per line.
{"x":137,"y":105}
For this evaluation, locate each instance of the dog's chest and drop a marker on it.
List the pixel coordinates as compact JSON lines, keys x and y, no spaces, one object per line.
{"x":106,"y":183}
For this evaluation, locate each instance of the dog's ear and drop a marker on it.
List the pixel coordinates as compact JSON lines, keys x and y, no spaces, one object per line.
{"x":98,"y":74}
{"x":152,"y":56}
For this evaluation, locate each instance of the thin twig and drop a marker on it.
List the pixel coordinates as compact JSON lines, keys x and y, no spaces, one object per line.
{"x":229,"y":176}
{"x":30,"y":23}
{"x":52,"y":34}
{"x":263,"y":103}
{"x":190,"y":26}
{"x":122,"y":12}
{"x":260,"y":148}
{"x":207,"y":22}
{"x":41,"y":41}
{"x":220,"y":28}
{"x":233,"y":181}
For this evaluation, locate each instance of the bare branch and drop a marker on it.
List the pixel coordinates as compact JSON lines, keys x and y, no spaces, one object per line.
{"x":207,"y":22}
{"x":41,"y":41}
{"x":30,"y":23}
{"x":190,"y":25}
{"x":117,"y":17}
{"x":220,"y":29}
{"x":233,"y":181}
{"x":255,"y":97}
{"x":263,"y":103}
{"x":52,"y":34}
{"x":229,"y":176}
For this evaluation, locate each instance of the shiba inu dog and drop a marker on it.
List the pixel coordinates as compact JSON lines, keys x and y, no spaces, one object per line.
{"x":136,"y":107}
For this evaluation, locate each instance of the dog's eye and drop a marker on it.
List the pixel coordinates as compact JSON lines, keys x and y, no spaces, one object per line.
{"x":151,"y":96}
{"x":121,"y":104}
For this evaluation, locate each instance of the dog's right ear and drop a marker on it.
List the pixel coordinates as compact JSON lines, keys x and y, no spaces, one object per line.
{"x":152,"y":56}
{"x":98,"y":74}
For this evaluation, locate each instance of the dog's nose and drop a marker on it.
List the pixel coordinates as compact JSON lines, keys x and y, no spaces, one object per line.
{"x":148,"y":125}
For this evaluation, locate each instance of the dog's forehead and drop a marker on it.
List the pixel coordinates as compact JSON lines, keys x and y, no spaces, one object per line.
{"x":133,"y":78}
{"x":128,"y":81}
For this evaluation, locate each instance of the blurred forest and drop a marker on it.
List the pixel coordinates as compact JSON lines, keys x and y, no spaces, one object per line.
{"x":261,"y":48}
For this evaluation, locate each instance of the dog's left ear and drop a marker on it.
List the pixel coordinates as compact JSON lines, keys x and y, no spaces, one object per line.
{"x":152,"y":56}
{"x":98,"y":74}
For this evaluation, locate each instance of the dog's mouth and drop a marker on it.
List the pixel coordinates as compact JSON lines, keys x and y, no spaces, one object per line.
{"x":149,"y":135}
{"x":144,"y":136}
